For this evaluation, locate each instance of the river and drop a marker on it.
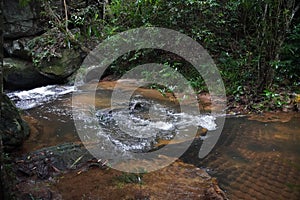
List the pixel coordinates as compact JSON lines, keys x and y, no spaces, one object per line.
{"x":256,"y":157}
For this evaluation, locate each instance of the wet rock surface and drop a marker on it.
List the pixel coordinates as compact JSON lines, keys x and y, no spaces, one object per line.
{"x":170,"y":183}
{"x":36,"y":171}
{"x":12,"y":127}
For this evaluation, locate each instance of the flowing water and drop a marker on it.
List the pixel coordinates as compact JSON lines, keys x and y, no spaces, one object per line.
{"x":253,"y":159}
{"x":257,"y":160}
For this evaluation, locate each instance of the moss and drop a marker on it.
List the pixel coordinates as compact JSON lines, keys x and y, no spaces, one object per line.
{"x":63,"y":66}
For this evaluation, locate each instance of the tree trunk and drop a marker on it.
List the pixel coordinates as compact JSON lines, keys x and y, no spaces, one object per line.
{"x":274,"y":23}
{"x":266,"y":76}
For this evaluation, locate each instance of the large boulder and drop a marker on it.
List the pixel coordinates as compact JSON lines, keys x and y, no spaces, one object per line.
{"x":13,"y":128}
{"x":59,"y":68}
{"x":53,"y":58}
{"x":21,"y":74}
{"x":20,"y":21}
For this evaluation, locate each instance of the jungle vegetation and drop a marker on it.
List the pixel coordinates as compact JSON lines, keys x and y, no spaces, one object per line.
{"x":254,"y":43}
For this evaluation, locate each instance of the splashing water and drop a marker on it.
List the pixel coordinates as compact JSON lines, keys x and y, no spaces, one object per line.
{"x":28,"y":99}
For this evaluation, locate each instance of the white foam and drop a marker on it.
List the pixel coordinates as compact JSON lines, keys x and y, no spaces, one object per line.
{"x":205,"y":121}
{"x":30,"y":94}
{"x":31,"y":98}
{"x":162,"y":125}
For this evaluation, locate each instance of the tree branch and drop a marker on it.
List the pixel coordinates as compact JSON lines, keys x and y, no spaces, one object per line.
{"x":295,"y":11}
{"x":66,"y":15}
{"x":64,"y":28}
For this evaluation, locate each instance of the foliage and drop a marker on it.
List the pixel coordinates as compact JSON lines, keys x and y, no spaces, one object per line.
{"x":272,"y":101}
{"x":266,"y":24}
{"x":89,"y":21}
{"x":255,"y":43}
{"x":47,"y":46}
{"x":288,"y":70}
{"x":129,"y":178}
{"x":24,"y":3}
{"x":244,"y":36}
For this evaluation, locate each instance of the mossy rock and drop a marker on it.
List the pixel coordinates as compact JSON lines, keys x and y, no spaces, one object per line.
{"x":61,"y":67}
{"x":53,"y":56}
{"x":13,"y":128}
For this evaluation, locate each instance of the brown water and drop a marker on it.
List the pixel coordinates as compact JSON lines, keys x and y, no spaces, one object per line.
{"x":50,"y":124}
{"x":258,"y":160}
{"x":254,"y":159}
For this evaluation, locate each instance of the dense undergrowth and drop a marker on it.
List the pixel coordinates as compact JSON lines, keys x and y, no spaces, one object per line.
{"x":254,"y":43}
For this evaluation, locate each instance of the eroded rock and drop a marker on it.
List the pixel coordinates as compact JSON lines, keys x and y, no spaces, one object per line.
{"x":21,"y":21}
{"x":50,"y":161}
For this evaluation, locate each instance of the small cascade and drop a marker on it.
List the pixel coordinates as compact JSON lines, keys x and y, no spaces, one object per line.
{"x":28,"y":99}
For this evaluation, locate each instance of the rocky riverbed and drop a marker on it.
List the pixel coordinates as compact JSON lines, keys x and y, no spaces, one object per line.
{"x":68,"y":171}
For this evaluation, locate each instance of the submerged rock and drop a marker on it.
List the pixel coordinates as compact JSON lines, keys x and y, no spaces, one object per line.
{"x":13,"y":128}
